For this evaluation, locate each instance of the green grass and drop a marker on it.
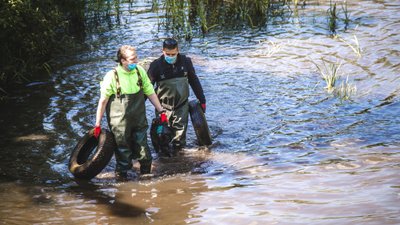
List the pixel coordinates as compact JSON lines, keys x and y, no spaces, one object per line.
{"x":346,"y":14}
{"x":332,"y":17}
{"x":185,"y":17}
{"x":329,"y":72}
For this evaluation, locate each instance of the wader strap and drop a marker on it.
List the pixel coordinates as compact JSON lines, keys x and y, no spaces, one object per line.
{"x":139,"y":82}
{"x":118,"y":84}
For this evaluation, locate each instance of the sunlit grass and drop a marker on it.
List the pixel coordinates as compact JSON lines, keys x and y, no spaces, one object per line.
{"x":296,"y":3}
{"x":345,"y":90}
{"x":355,"y":47}
{"x":272,"y":48}
{"x":329,"y":72}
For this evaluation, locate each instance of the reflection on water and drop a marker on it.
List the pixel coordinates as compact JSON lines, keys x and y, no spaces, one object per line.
{"x":285,"y":150}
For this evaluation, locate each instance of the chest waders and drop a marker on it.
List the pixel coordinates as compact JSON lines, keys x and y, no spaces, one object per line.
{"x":173,"y":94}
{"x":126,"y":116}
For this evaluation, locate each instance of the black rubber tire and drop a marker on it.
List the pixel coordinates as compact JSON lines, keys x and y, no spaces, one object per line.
{"x":85,"y":163}
{"x":199,"y":123}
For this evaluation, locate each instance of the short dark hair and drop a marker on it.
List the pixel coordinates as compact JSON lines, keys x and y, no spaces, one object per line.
{"x":170,"y":43}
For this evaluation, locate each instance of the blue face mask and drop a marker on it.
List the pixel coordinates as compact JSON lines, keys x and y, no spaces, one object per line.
{"x":170,"y":59}
{"x":131,"y":66}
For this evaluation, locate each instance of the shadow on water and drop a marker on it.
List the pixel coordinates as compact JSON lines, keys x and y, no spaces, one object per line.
{"x":25,"y":143}
{"x":91,"y":191}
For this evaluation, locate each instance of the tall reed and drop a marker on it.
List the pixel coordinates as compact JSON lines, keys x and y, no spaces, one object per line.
{"x":346,"y":14}
{"x":177,"y":18}
{"x":332,"y":17}
{"x":185,"y":16}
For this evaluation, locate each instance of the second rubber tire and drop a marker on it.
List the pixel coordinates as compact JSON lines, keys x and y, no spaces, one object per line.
{"x":199,"y":123}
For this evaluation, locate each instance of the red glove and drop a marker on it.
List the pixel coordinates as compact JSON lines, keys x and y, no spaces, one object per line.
{"x":203,"y":106}
{"x":97,"y":131}
{"x":163,"y":118}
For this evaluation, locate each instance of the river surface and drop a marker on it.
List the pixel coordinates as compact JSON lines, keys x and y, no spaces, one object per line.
{"x":285,"y":150}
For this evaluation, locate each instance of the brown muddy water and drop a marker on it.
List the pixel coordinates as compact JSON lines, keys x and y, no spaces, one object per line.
{"x":285,"y":150}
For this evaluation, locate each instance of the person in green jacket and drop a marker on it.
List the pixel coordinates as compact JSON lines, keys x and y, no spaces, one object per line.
{"x":123,"y":92}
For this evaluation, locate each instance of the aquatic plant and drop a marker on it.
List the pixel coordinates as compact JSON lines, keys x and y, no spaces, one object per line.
{"x":201,"y":11}
{"x":102,"y":15}
{"x":187,"y":16}
{"x":345,"y":90}
{"x":346,"y":14}
{"x":329,"y":72}
{"x":296,"y":3}
{"x":332,"y":17}
{"x":272,"y":48}
{"x":177,"y":18}
{"x":356,"y":47}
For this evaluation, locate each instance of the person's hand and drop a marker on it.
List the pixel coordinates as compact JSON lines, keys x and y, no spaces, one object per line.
{"x":163,"y":117}
{"x":203,"y":106}
{"x":97,"y":131}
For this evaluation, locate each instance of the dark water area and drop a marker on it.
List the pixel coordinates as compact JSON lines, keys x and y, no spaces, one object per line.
{"x":285,"y":151}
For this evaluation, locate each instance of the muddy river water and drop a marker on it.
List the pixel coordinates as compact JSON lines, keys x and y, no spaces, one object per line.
{"x":285,"y":150}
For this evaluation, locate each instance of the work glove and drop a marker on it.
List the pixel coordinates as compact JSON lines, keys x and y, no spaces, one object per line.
{"x":97,"y":131}
{"x":203,"y":107}
{"x":163,"y":117}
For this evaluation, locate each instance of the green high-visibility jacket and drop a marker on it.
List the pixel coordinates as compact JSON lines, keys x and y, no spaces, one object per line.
{"x":128,"y":82}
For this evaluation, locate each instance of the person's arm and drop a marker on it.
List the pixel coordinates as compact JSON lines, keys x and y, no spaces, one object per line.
{"x":156,"y":103}
{"x":194,"y":82}
{"x":101,"y":107}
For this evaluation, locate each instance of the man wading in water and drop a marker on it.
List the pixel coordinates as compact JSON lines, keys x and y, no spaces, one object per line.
{"x":173,"y":73}
{"x":122,"y":97}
